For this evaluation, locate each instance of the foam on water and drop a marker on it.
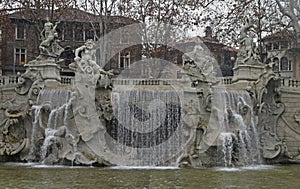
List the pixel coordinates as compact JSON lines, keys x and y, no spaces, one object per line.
{"x":143,"y":167}
{"x":246,"y":168}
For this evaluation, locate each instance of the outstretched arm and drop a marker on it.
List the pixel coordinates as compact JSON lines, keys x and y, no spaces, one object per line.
{"x":55,"y":26}
{"x":78,"y":50}
{"x":42,"y":35}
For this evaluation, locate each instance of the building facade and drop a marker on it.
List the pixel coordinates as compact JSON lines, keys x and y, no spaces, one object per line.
{"x":225,"y":56}
{"x":21,"y":38}
{"x":283,"y":49}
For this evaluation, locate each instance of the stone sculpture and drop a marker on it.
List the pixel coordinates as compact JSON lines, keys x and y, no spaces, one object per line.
{"x":13,"y":136}
{"x":199,"y":65}
{"x":268,"y":110}
{"x":83,"y":129}
{"x":247,"y":48}
{"x":49,"y":47}
{"x":85,"y":58}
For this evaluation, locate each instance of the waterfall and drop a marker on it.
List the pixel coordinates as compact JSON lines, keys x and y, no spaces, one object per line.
{"x":49,"y":139}
{"x":147,"y":129}
{"x":35,"y":123}
{"x":52,"y":106}
{"x":227,"y":147}
{"x":54,"y":97}
{"x":238,"y":137}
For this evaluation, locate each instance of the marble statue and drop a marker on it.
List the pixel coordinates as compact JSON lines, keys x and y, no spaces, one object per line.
{"x":247,"y":52}
{"x":85,"y":59}
{"x":199,"y":65}
{"x":49,"y":47}
{"x":79,"y":124}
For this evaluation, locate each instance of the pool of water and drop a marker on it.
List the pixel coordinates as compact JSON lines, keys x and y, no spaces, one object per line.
{"x":14,"y":175}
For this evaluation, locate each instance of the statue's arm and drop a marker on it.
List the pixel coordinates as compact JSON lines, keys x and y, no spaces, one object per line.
{"x":55,"y":26}
{"x":79,"y":50}
{"x":42,"y":35}
{"x":93,"y":54}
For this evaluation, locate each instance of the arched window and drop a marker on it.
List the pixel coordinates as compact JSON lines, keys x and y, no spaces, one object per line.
{"x":284,"y":64}
{"x":276,"y":64}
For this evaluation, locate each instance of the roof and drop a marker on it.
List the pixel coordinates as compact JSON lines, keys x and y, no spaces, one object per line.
{"x":283,"y":34}
{"x":207,"y":41}
{"x":228,"y":48}
{"x":69,"y":14}
{"x":203,"y":39}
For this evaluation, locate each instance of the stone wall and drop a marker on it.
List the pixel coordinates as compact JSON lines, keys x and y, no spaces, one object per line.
{"x":288,"y":128}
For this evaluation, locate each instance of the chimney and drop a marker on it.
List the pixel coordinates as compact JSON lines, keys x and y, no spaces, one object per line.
{"x":208,"y":32}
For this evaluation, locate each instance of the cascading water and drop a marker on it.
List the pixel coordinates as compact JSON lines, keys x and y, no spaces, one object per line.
{"x":55,"y":102}
{"x":35,"y":123}
{"x":147,"y":129}
{"x":238,"y":137}
{"x":54,"y":97}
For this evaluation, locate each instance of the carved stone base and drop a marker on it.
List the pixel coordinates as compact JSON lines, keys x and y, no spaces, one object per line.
{"x":49,"y":71}
{"x":243,"y":74}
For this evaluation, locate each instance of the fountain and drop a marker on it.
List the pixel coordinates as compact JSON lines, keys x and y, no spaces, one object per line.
{"x":194,"y":122}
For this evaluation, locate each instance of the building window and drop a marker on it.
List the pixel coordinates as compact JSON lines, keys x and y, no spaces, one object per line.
{"x":124,"y":60}
{"x":20,"y":56}
{"x":79,"y":33}
{"x":284,"y":45}
{"x":284,"y":64}
{"x":269,"y":46}
{"x":179,"y":59}
{"x":97,"y":35}
{"x":20,"y":31}
{"x":89,"y":34}
{"x":59,"y":30}
{"x":68,"y":32}
{"x":276,"y":65}
{"x":276,"y":46}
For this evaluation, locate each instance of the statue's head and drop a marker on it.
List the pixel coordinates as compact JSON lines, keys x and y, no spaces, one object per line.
{"x":48,"y":25}
{"x":89,"y":43}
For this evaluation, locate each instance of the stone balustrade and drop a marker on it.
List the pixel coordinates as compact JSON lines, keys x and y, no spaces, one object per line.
{"x":67,"y":80}
{"x":290,"y":82}
{"x":8,"y":80}
{"x":226,"y":80}
{"x":149,"y":81}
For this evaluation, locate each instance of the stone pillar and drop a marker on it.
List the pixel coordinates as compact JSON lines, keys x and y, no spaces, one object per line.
{"x":50,"y":72}
{"x":243,"y":74}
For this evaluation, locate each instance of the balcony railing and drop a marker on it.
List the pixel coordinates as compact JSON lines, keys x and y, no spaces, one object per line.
{"x":226,"y":80}
{"x":67,"y":80}
{"x":8,"y":80}
{"x":290,"y":82}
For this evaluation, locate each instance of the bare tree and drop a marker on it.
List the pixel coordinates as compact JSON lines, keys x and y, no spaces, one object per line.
{"x":291,"y":9}
{"x":33,"y":10}
{"x":227,"y":16}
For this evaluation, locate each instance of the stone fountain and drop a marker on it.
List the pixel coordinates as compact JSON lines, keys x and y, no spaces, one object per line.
{"x":195,"y":122}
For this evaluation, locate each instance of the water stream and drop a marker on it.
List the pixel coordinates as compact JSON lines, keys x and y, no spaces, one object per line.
{"x":238,"y":137}
{"x":148,"y":126}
